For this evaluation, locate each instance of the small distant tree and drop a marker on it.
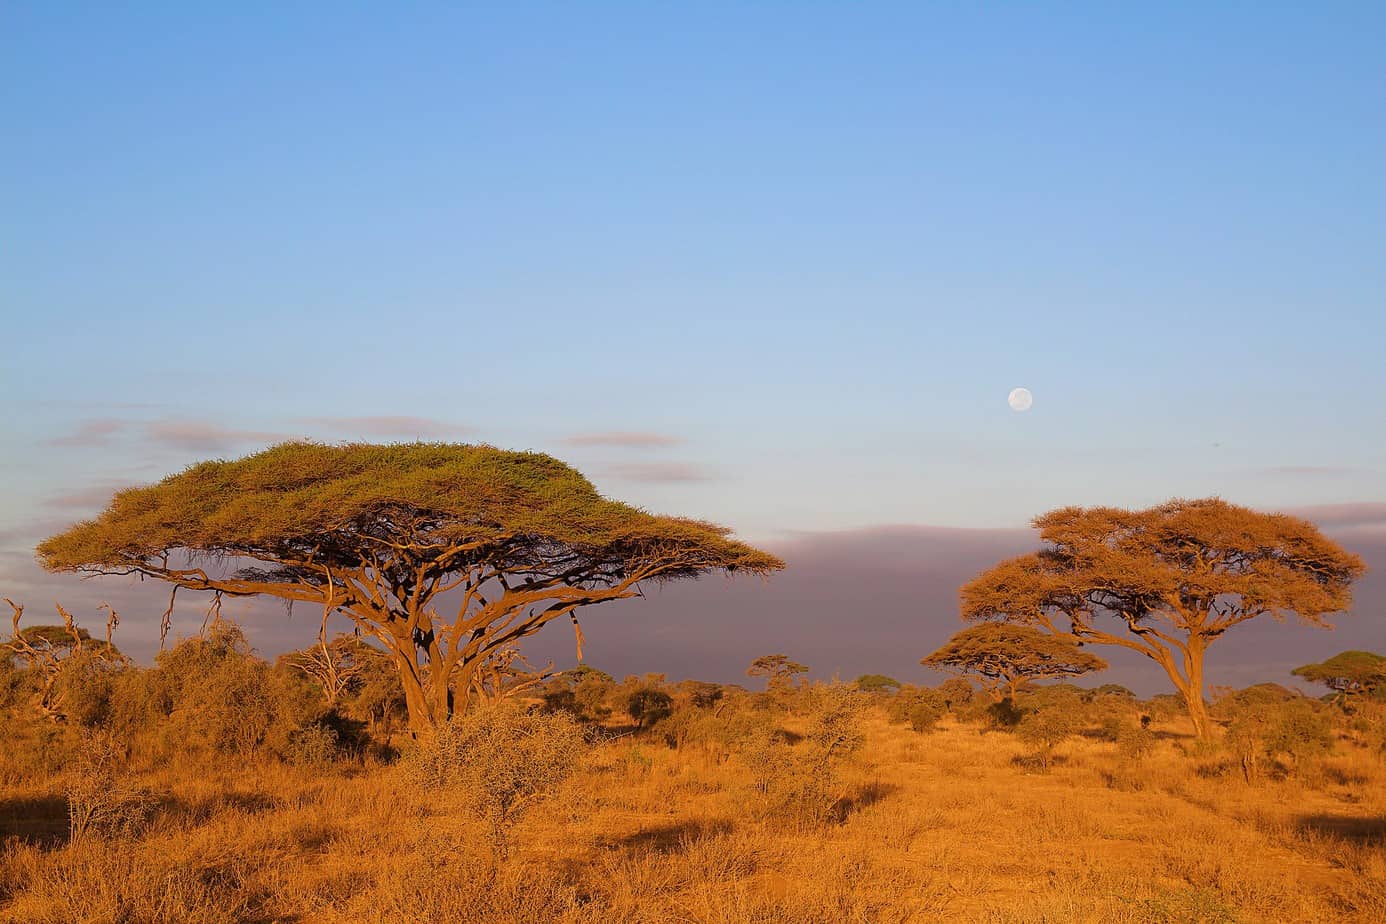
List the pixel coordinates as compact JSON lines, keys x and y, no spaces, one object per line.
{"x":377,"y":697}
{"x":877,"y":683}
{"x":778,"y":670}
{"x":1005,"y":656}
{"x":48,"y":652}
{"x":1169,"y":580}
{"x":1348,"y":674}
{"x":701,"y":694}
{"x":648,"y":705}
{"x":1045,"y":729}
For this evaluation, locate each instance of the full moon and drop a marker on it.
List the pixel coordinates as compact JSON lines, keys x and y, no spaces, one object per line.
{"x":1020,"y":399}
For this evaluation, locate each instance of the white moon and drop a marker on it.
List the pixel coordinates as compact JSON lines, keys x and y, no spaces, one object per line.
{"x":1020,"y":399}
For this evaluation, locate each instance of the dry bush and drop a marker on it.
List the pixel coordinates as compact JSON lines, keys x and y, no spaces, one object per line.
{"x":496,"y":759}
{"x":102,"y":799}
{"x":801,"y":784}
{"x":1047,"y":719}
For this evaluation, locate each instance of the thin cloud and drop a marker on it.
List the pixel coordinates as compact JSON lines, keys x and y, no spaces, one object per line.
{"x":1365,"y":515}
{"x":201,"y":436}
{"x":387,"y":425}
{"x":657,"y":472}
{"x":1308,"y":470}
{"x":634,"y":439}
{"x":93,"y":497}
{"x":91,"y":433}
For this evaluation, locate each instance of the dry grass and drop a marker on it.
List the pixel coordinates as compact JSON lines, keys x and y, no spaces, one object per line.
{"x":943,"y":826}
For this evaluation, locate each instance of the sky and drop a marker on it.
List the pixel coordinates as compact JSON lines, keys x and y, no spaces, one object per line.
{"x":775,"y":265}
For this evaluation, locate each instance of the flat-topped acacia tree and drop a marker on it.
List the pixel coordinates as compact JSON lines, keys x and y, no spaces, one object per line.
{"x":382,"y":533}
{"x":1168,"y":581}
{"x":1348,"y":674}
{"x":1004,"y":655}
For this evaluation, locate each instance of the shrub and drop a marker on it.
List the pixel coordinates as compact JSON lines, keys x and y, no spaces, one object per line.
{"x":804,"y":786}
{"x":312,"y":746}
{"x":1047,"y":719}
{"x":100,"y":798}
{"x":84,"y":687}
{"x":924,"y":716}
{"x":1135,"y":741}
{"x":768,"y":757}
{"x":1044,"y":730}
{"x":648,"y":705}
{"x":1266,"y":721}
{"x":497,"y":759}
{"x":919,"y":707}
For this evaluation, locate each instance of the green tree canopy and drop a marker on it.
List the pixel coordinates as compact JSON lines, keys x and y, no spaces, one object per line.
{"x":1003,"y":655}
{"x":1167,"y":581}
{"x":877,"y":683}
{"x":381,"y":533}
{"x":1348,"y":673}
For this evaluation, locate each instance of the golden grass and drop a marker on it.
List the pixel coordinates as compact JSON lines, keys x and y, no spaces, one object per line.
{"x":945,"y":826}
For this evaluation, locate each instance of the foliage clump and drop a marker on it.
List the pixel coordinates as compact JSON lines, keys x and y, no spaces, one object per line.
{"x":1270,"y":728}
{"x":1004,"y":656}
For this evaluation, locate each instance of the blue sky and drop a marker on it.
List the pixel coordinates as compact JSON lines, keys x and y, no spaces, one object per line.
{"x":811,"y":246}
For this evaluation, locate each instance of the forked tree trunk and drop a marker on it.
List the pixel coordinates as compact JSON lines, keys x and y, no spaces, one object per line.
{"x":1190,"y":685}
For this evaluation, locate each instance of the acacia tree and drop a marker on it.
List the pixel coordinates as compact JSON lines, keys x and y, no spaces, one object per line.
{"x":777,"y":669}
{"x":1005,"y":656}
{"x":445,"y":553}
{"x":1168,"y":581}
{"x":1348,"y":673}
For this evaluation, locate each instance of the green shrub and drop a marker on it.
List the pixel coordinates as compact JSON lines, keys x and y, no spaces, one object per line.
{"x":648,"y":705}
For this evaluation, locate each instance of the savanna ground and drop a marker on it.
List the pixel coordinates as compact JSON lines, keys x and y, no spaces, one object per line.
{"x":957,"y":824}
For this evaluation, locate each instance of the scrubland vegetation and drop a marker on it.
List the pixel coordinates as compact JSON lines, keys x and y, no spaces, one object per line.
{"x":217,"y":787}
{"x":420,"y":770}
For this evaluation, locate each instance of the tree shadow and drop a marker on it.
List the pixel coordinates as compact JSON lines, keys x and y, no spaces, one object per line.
{"x":668,"y":838}
{"x":1036,"y":763}
{"x":864,"y":796}
{"x":41,"y":821}
{"x":1369,"y":831}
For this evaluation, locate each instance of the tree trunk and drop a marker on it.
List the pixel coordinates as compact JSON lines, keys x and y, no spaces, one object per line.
{"x":1193,"y":690}
{"x":416,"y":699}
